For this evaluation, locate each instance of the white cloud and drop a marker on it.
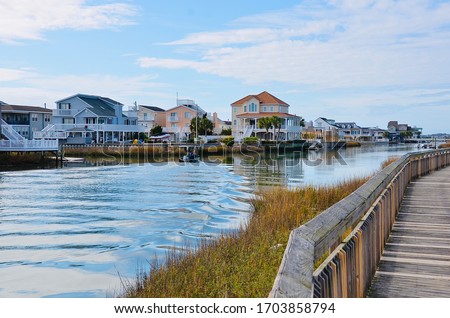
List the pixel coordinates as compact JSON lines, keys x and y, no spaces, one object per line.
{"x":39,"y":89}
{"x":334,"y":44}
{"x":28,"y":19}
{"x":7,"y":75}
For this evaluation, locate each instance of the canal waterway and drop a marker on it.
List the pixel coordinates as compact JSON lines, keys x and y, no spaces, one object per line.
{"x":81,"y":230}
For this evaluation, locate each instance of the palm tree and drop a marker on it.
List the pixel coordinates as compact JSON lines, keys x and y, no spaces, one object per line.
{"x":276,"y":123}
{"x":265,"y":123}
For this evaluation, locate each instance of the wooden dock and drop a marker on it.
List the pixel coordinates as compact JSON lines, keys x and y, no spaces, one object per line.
{"x":416,"y":260}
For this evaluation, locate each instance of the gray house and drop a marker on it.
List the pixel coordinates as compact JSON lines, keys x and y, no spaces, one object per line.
{"x":88,"y":118}
{"x":26,"y":120}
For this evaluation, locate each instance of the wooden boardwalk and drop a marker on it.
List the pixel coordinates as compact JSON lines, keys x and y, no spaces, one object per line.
{"x":416,"y":260}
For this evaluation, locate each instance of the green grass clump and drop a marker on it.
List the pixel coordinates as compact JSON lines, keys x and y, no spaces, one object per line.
{"x":244,"y":263}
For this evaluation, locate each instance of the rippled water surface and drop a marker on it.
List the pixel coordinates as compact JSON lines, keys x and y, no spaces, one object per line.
{"x":70,"y":232}
{"x":74,"y":232}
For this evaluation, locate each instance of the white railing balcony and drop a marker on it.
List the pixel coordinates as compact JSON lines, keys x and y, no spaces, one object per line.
{"x":173,"y":119}
{"x":100,"y":127}
{"x":50,"y":135}
{"x":65,"y":112}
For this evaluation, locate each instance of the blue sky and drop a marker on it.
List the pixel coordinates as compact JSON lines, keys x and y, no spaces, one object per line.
{"x":363,"y":61}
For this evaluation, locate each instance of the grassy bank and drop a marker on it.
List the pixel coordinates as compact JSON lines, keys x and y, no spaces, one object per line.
{"x":243,"y":264}
{"x":26,"y":160}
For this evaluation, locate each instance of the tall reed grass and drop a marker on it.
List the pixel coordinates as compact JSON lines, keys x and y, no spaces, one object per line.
{"x":244,"y":263}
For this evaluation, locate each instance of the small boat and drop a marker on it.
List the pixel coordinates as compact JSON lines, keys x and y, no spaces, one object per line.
{"x":316,"y":146}
{"x":189,"y":158}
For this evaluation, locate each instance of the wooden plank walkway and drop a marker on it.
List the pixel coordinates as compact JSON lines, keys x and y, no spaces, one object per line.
{"x":416,"y":260}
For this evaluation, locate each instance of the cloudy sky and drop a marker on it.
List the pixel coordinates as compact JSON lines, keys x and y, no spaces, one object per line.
{"x":363,"y":61}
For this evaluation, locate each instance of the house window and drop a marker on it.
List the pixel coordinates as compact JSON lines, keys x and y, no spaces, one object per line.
{"x":271,"y":109}
{"x":68,"y":120}
{"x":264,"y":108}
{"x":235,"y":122}
{"x":174,"y":125}
{"x":235,"y":110}
{"x":187,"y":115}
{"x":252,"y":108}
{"x":245,"y":108}
{"x":64,"y":106}
{"x":47,"y":118}
{"x":145,"y":116}
{"x":34,"y":117}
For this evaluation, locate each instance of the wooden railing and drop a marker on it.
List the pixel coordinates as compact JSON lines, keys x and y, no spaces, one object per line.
{"x":351,"y":234}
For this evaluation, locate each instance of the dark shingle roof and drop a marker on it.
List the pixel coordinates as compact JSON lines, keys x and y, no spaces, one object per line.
{"x":154,"y":108}
{"x":26,"y":109}
{"x":100,"y":105}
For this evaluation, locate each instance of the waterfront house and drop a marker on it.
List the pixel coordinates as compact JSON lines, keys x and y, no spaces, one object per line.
{"x":150,"y":116}
{"x":218,"y":123}
{"x":247,"y":111}
{"x":85,"y":118}
{"x":26,"y":120}
{"x":348,"y":131}
{"x":398,"y":131}
{"x":178,"y":119}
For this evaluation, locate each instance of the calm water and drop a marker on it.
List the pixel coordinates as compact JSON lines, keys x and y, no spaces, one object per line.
{"x":73,"y":232}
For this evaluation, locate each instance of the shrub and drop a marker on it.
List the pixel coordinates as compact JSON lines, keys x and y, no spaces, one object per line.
{"x":229,"y":141}
{"x":250,"y":140}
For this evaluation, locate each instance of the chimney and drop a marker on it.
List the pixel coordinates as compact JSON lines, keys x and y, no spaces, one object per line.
{"x":216,"y":120}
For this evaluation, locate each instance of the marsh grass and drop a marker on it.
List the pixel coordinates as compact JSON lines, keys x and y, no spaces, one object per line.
{"x":388,"y":161}
{"x":244,"y":263}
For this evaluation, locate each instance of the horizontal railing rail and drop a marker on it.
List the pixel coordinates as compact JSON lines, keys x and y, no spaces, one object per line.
{"x":28,"y":145}
{"x":352,"y":233}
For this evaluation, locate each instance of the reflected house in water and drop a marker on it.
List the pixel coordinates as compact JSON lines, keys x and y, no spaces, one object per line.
{"x":247,"y":111}
{"x":92,"y":118}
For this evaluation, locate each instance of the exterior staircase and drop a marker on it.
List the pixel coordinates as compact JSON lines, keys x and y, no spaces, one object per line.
{"x":10,"y":133}
{"x":17,"y":142}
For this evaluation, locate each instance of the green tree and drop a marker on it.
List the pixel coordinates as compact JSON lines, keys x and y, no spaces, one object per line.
{"x":265,"y":123}
{"x":203,"y":125}
{"x":226,"y":132}
{"x":406,"y":134}
{"x":276,"y":124}
{"x":302,"y":122}
{"x":156,"y":131}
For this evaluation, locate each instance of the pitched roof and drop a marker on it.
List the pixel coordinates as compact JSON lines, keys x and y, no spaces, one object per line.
{"x":25,"y":109}
{"x":154,"y":108}
{"x":330,"y":122}
{"x":264,"y":98}
{"x":100,"y":106}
